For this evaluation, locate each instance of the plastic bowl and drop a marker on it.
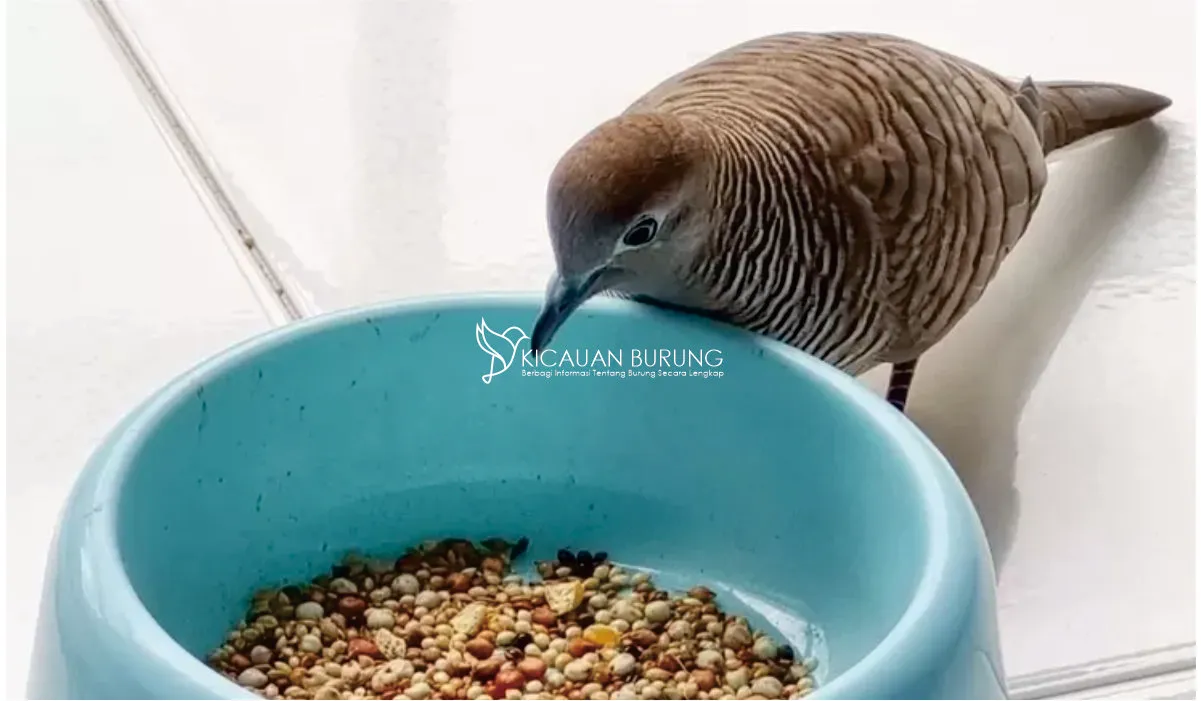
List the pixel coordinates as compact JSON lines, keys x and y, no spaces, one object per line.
{"x":801,"y":497}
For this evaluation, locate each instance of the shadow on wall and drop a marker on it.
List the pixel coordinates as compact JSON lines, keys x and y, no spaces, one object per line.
{"x":401,"y":73}
{"x":971,"y":398}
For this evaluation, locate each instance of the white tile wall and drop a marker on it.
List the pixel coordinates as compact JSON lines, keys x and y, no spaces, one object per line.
{"x":389,"y":148}
{"x":117,"y":279}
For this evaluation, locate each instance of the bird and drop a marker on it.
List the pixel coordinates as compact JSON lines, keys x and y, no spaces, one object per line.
{"x":850,"y":194}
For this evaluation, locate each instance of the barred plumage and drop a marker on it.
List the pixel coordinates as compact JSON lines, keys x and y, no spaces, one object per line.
{"x":850,"y":194}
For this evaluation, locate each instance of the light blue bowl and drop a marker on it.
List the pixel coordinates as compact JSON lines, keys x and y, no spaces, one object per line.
{"x":800,"y":496}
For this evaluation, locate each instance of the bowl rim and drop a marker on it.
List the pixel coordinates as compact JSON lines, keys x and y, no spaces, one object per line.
{"x":112,"y":602}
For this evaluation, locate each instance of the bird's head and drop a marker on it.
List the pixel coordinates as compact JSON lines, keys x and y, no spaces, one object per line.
{"x":624,"y":213}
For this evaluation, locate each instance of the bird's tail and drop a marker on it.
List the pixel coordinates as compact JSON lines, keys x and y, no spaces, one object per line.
{"x":1072,"y":111}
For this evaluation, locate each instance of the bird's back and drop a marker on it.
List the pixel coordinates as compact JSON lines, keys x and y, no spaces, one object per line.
{"x":897,"y":177}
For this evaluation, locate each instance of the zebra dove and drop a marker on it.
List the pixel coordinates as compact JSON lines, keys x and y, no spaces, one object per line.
{"x":850,"y":194}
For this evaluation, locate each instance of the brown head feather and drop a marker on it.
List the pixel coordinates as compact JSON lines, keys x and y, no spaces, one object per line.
{"x":617,"y":170}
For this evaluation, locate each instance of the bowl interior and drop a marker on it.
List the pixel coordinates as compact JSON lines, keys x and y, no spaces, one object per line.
{"x":373,"y":432}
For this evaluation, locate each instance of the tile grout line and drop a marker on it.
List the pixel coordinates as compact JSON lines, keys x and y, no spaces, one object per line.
{"x":200,"y":173}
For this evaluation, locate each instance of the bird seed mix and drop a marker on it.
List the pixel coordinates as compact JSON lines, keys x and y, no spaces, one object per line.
{"x":449,"y":620}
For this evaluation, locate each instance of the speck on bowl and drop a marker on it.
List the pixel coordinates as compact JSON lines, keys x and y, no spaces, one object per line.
{"x":801,"y":497}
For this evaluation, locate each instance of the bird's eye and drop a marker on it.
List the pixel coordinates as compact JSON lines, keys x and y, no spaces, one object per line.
{"x":641,"y":234}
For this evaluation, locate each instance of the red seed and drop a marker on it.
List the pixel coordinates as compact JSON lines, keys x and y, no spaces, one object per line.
{"x":506,"y":679}
{"x":362,"y":646}
{"x":352,"y":607}
{"x":479,"y":648}
{"x":705,"y":679}
{"x":532,"y":667}
{"x":543,"y":616}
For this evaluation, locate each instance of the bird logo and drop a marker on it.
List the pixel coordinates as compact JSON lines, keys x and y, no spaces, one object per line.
{"x":508,"y":353}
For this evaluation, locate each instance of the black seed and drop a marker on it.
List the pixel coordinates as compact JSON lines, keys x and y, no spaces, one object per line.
{"x":522,"y":640}
{"x":784,"y":652}
{"x":584,"y":557}
{"x":600,"y":557}
{"x":566,"y":558}
{"x":340,"y":570}
{"x":519,"y":548}
{"x":585,"y":619}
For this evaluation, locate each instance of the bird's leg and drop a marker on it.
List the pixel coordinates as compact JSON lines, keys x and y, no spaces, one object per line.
{"x":898,"y":383}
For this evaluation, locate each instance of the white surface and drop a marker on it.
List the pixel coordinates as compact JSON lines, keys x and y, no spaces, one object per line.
{"x":382,"y":149}
{"x":117,"y":280}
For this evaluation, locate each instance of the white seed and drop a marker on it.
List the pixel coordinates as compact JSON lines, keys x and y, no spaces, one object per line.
{"x":640,"y":578}
{"x":380,"y":618}
{"x":309,"y":611}
{"x":623,"y":665}
{"x":406,"y":585}
{"x":522,"y":627}
{"x":505,"y":637}
{"x":341,"y":585}
{"x":765,"y":649}
{"x":679,"y":630}
{"x":767,"y":686}
{"x":620,"y":625}
{"x":598,"y":601}
{"x":261,"y":654}
{"x":737,"y":678}
{"x":709,"y":659}
{"x":310,"y":643}
{"x":533,"y":686}
{"x":601,"y":572}
{"x":604,"y":616}
{"x":420,"y":690}
{"x":542,"y":640}
{"x":554,"y":678}
{"x":253,"y":678}
{"x":576,"y":670}
{"x":625,"y":611}
{"x":658,"y":611}
{"x":428,"y":599}
{"x":736,"y":637}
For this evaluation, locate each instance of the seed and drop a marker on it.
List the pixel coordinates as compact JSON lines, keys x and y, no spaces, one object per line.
{"x":309,"y":611}
{"x":260,"y":654}
{"x":380,"y":618}
{"x":736,"y":637}
{"x":623,"y":665}
{"x":709,"y":659}
{"x":601,"y":635}
{"x":737,"y":678}
{"x":767,"y":686}
{"x":427,"y":599}
{"x":658,"y":612}
{"x":420,"y":690}
{"x":459,"y":582}
{"x":351,"y":607}
{"x":578,"y":647}
{"x":505,"y":638}
{"x":308,"y":643}
{"x":341,"y":585}
{"x":406,"y":584}
{"x":252,"y":678}
{"x":532,"y":668}
{"x":486,"y":669}
{"x":578,"y":670}
{"x":479,"y":648}
{"x":704,"y":679}
{"x":765,"y":649}
{"x":543,"y":616}
{"x":362,"y":647}
{"x":507,"y":679}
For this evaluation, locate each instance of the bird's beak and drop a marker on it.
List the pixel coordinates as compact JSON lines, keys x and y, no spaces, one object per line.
{"x":563,"y":296}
